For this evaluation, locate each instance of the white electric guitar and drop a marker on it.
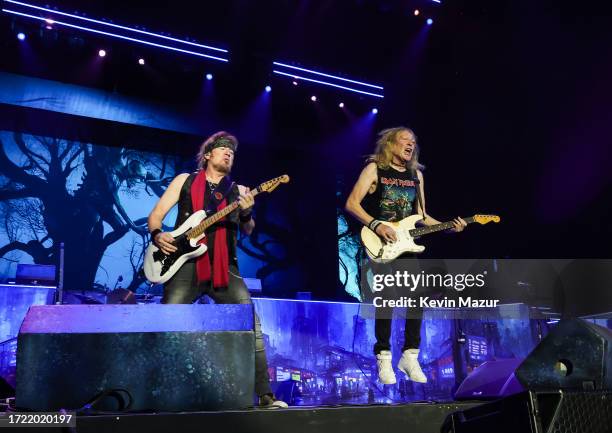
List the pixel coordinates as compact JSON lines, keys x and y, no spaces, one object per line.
{"x":159,"y":267}
{"x":382,"y":252}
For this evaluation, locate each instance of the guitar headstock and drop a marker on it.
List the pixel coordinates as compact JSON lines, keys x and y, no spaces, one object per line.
{"x":271,"y":185}
{"x":483,"y":219}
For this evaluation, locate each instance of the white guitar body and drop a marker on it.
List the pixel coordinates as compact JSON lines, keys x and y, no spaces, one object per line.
{"x":159,"y":267}
{"x":382,"y":252}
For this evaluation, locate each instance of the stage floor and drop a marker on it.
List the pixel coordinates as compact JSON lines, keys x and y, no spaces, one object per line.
{"x":404,"y":418}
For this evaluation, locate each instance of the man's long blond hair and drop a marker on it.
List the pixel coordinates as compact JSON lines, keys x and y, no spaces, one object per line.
{"x":383,"y":155}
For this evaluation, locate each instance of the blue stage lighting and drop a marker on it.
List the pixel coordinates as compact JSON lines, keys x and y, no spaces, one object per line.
{"x":209,"y":77}
{"x":341,"y":105}
{"x":102,"y":53}
{"x":21,"y":36}
{"x":114,"y":25}
{"x":284,"y":65}
{"x":114,"y":35}
{"x":429,"y":21}
{"x":374,"y":110}
{"x":297,"y":77}
{"x":268,"y":89}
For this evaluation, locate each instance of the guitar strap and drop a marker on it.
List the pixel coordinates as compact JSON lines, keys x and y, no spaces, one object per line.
{"x":221,"y":191}
{"x":417,"y":182}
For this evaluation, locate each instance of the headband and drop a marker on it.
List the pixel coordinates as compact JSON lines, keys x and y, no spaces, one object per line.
{"x":221,"y":142}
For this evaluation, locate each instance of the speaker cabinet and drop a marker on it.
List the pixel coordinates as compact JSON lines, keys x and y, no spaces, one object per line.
{"x":575,"y":354}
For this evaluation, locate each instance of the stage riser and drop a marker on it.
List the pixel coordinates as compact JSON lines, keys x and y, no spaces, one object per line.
{"x":162,"y":371}
{"x":418,"y":418}
{"x":186,"y":369}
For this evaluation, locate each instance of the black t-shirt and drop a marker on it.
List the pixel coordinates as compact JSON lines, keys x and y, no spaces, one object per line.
{"x":394,"y":197}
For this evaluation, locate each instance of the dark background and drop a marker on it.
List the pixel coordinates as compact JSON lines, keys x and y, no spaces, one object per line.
{"x":509,"y":99}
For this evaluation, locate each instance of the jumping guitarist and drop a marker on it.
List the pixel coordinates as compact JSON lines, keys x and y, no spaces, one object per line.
{"x":214,"y":273}
{"x":390,"y":188}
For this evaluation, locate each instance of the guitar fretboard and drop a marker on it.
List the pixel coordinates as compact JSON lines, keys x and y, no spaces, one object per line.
{"x":420,"y":231}
{"x":200,"y":228}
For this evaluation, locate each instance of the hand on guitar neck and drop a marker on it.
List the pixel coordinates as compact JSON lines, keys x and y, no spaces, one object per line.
{"x":387,"y":233}
{"x":458,"y":225}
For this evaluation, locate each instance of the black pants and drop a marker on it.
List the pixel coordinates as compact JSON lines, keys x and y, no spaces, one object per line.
{"x":382,"y":330}
{"x":183,"y":289}
{"x":382,"y":316}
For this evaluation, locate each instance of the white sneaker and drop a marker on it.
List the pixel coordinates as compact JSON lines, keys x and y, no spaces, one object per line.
{"x":409,"y":364}
{"x":268,"y":401}
{"x":386,"y":375}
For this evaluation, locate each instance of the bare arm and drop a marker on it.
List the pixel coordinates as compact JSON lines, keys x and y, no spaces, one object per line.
{"x":169,"y":198}
{"x":365,"y":183}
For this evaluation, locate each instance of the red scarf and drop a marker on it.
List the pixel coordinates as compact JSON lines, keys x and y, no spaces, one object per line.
{"x":220,"y":271}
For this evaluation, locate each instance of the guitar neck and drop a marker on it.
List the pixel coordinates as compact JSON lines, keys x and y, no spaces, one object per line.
{"x":420,"y":231}
{"x":200,"y":228}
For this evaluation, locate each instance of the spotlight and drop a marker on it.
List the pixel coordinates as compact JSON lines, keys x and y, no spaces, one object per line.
{"x":416,"y":12}
{"x":374,"y":110}
{"x":102,"y":53}
{"x":141,"y":61}
{"x":268,"y":89}
{"x":49,"y":21}
{"x":295,"y":83}
{"x":429,"y":21}
{"x":341,"y":105}
{"x":21,"y":36}
{"x":209,"y":77}
{"x":313,"y":98}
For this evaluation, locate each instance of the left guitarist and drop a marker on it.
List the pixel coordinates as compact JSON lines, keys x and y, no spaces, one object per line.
{"x":215,"y":273}
{"x":387,"y":191}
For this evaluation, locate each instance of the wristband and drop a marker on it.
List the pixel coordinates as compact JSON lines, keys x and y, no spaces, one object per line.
{"x":375,"y":223}
{"x":155,"y":233}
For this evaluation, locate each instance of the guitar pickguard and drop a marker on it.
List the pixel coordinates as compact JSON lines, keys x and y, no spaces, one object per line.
{"x":382,"y":252}
{"x":183,"y":246}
